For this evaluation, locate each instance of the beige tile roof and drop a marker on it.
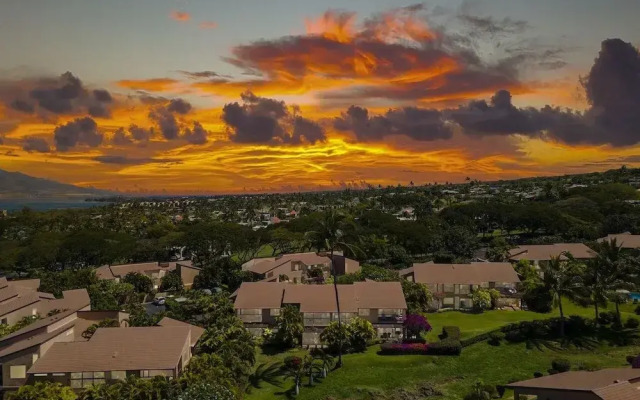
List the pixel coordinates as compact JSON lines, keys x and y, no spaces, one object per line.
{"x":467,"y":274}
{"x":196,"y":331}
{"x":626,"y":240}
{"x":546,"y":251}
{"x":118,"y":349}
{"x":321,"y":298}
{"x":580,"y":380}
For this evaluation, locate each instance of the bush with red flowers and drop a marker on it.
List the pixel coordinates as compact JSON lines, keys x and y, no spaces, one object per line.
{"x":403,"y":348}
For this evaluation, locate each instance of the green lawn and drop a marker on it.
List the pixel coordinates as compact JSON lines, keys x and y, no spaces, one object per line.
{"x":475,"y":324}
{"x":453,"y":375}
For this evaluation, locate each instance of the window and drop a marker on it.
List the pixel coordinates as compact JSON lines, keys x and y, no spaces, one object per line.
{"x":464,"y":289}
{"x":364,"y":312}
{"x":448,"y":288}
{"x":144,"y":373}
{"x":447,"y":301}
{"x":274,"y":312}
{"x":119,"y":375}
{"x":18,"y":371}
{"x":86,"y":379}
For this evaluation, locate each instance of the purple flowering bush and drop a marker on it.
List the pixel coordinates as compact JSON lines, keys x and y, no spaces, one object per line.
{"x":415,"y":324}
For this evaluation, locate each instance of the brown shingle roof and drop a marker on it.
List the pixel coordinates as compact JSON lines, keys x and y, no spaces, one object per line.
{"x":35,"y":340}
{"x":580,"y":380}
{"x":196,"y":331}
{"x":262,"y":266}
{"x":467,"y":274}
{"x":44,"y":322}
{"x":118,"y":349}
{"x":626,"y":240}
{"x":546,"y":251}
{"x":619,"y":391}
{"x":321,"y":298}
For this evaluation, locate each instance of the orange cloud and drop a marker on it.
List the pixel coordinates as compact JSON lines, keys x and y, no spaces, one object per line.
{"x":150,"y":85}
{"x":181,"y":16}
{"x":208,"y":25}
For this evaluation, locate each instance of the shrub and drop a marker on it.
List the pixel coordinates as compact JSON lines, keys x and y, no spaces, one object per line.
{"x":587,"y":366}
{"x":481,"y":299}
{"x":292,"y":363}
{"x":538,"y":299}
{"x":446,"y":347}
{"x":360,"y":333}
{"x":335,"y":334}
{"x":632,"y":323}
{"x":637,"y":310}
{"x":552,"y":371}
{"x":538,"y":374}
{"x":631,"y":359}
{"x":450,"y":332}
{"x":607,"y":317}
{"x":416,"y":324}
{"x":404,"y":348}
{"x":414,"y":340}
{"x":495,"y":338}
{"x":561,"y":365}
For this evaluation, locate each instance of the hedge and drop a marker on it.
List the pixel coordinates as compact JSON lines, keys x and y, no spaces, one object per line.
{"x":450,"y":332}
{"x":414,"y":340}
{"x":446,"y":347}
{"x":390,"y":349}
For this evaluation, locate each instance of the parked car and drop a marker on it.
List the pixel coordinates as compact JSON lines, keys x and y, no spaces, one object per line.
{"x":160,"y":301}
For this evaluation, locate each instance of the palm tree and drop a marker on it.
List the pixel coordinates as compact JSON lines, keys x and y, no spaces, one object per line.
{"x":615,"y":273}
{"x":268,"y":373}
{"x":562,"y":277}
{"x":331,"y":233}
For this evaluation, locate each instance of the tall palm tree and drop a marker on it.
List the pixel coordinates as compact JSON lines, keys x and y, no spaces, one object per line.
{"x":562,"y":277}
{"x":331,"y":234}
{"x":617,"y":270}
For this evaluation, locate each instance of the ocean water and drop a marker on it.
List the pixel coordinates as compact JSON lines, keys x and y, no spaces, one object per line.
{"x":47,"y":204}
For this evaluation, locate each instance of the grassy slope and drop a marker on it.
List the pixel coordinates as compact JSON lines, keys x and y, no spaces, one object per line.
{"x":454,"y":375}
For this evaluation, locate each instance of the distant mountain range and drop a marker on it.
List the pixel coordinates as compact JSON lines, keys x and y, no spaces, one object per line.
{"x":15,"y":185}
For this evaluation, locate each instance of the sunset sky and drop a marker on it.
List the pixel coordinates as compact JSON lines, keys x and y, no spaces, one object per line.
{"x":201,"y":96}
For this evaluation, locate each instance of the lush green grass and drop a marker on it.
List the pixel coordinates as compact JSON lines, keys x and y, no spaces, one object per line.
{"x":453,"y":375}
{"x":474,"y":324}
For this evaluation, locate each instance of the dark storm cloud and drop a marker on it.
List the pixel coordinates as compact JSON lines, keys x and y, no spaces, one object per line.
{"x":64,"y":95}
{"x":263,"y":120}
{"x":179,"y":106}
{"x":166,"y":121}
{"x":81,"y":131}
{"x":416,"y":123}
{"x":613,"y":91}
{"x":35,"y":144}
{"x":23,"y":106}
{"x":197,"y":135}
{"x":133,"y":134}
{"x":102,"y":95}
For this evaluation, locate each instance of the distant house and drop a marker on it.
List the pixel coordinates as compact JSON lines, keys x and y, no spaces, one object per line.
{"x":452,"y":284}
{"x":606,"y":384}
{"x":625,"y":240}
{"x":258,"y":304}
{"x":154,"y":270}
{"x":544,"y":252}
{"x":21,"y":349}
{"x":300,"y":267}
{"x":19,"y":299}
{"x":112,"y":354}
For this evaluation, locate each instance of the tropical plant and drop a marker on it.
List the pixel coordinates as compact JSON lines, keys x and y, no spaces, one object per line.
{"x":105,"y":323}
{"x":171,"y":282}
{"x":481,"y":299}
{"x":43,"y":391}
{"x":141,"y":283}
{"x":207,"y":391}
{"x":265,"y":373}
{"x":290,"y":326}
{"x":331,"y":233}
{"x":335,"y":336}
{"x":417,"y":295}
{"x":562,"y":277}
{"x":360,"y":332}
